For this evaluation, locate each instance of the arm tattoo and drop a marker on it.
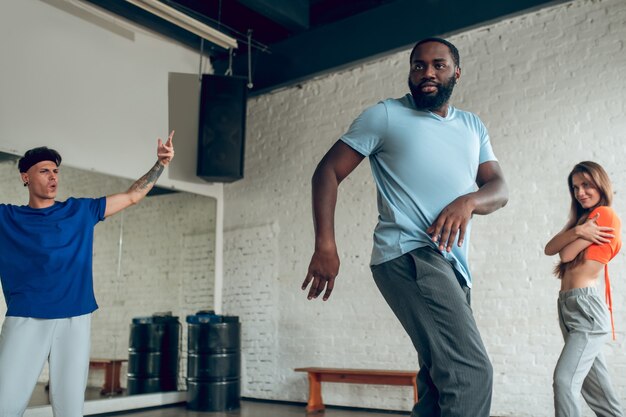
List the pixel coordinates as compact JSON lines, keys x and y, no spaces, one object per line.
{"x":146,"y":182}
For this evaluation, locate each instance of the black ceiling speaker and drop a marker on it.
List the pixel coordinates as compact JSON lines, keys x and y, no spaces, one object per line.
{"x":221,"y":134}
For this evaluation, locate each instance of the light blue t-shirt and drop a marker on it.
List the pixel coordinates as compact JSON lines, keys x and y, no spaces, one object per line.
{"x":46,"y":258}
{"x":421,"y":162}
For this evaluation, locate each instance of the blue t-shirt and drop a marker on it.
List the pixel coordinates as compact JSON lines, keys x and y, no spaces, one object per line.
{"x":421,"y":162}
{"x":46,"y":258}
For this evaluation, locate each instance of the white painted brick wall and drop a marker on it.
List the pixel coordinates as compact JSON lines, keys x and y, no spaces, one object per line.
{"x":250,"y":293}
{"x":167,"y":259}
{"x":549,"y":86}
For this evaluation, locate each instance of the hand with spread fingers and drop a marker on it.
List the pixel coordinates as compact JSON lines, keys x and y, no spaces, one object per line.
{"x":591,"y":231}
{"x":452,"y":221}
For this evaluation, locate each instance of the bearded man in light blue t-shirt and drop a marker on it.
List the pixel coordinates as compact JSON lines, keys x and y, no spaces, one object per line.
{"x":434,"y":168}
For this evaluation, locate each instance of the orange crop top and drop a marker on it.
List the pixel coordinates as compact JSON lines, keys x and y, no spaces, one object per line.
{"x":605,"y":252}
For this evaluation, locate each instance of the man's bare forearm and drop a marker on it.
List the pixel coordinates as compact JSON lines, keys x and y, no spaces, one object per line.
{"x":490,"y":197}
{"x":143,"y":185}
{"x":336,"y":165}
{"x":324,"y":193}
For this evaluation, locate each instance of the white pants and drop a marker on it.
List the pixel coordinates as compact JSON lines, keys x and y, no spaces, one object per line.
{"x":586,"y":327}
{"x":25,"y":344}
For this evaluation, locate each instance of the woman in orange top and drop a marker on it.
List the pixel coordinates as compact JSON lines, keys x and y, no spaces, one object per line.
{"x":589,"y":240}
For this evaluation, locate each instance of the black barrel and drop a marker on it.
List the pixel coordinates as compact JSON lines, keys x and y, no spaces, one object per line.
{"x":153,"y":354}
{"x":213,"y":362}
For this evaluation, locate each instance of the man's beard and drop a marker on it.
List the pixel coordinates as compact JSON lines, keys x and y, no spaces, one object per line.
{"x":429,"y":101}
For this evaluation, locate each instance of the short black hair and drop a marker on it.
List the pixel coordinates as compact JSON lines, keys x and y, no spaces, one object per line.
{"x":453,"y":51}
{"x":36,"y":155}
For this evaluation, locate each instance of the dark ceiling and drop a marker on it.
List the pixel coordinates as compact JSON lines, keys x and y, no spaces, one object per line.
{"x":294,"y":40}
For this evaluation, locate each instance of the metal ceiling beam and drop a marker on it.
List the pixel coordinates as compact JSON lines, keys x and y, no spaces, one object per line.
{"x":148,"y":20}
{"x":291,"y":14}
{"x":381,"y":30}
{"x":184,"y":21}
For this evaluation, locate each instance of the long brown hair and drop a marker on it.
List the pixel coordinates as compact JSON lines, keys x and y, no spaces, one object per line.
{"x":578,"y":214}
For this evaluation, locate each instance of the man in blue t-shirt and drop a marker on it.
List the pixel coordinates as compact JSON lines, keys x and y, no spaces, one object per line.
{"x":46,"y":252}
{"x":434,"y":168}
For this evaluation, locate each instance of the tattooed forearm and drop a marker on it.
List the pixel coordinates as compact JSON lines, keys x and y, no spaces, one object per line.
{"x":145,"y":183}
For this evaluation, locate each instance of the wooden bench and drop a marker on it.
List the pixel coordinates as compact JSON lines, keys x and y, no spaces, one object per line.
{"x":353,"y":376}
{"x":112,"y":374}
{"x":112,"y":369}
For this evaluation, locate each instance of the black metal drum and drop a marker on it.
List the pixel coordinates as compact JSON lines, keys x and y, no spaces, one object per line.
{"x":153,"y":354}
{"x":213,"y":362}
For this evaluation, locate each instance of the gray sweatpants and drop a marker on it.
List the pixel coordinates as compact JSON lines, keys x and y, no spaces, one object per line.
{"x":25,"y":345}
{"x":586,"y":326}
{"x":433,"y":304}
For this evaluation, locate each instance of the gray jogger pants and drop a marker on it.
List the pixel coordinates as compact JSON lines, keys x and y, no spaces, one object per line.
{"x":586,"y":326}
{"x":432,"y":303}
{"x":25,"y":345}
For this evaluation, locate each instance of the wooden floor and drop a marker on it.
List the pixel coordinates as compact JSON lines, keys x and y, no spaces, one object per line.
{"x":249,"y":408}
{"x":262,"y":409}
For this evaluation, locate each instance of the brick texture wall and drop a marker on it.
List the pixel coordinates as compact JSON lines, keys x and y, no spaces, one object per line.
{"x":549,"y":86}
